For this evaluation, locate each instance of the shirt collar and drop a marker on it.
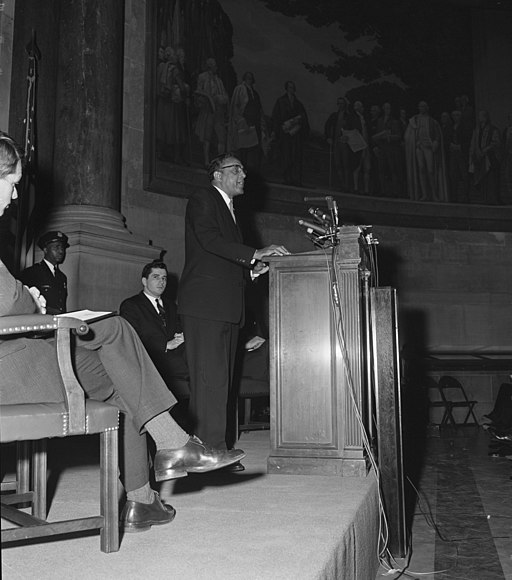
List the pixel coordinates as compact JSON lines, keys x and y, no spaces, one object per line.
{"x":225,"y":196}
{"x":152,"y":299}
{"x":50,"y":265}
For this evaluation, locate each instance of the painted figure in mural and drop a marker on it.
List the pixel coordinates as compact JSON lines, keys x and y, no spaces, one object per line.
{"x":362,"y":159}
{"x":485,"y":159}
{"x":171,"y":117}
{"x":187,"y":79}
{"x":457,"y":150}
{"x":171,"y":121}
{"x":468,"y":118}
{"x":506,"y":175}
{"x":212,"y":101}
{"x":445,"y":122}
{"x":246,"y":123}
{"x":339,"y":150}
{"x":403,"y":119}
{"x":388,"y":141}
{"x":373,"y":129}
{"x":424,"y":157}
{"x":290,"y":129}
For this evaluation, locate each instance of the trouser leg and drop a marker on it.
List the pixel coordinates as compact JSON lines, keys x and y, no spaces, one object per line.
{"x":129,"y":367}
{"x":133,"y":451}
{"x":211,"y":358}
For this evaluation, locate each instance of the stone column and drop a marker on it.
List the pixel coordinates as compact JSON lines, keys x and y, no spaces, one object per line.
{"x":104,"y":260}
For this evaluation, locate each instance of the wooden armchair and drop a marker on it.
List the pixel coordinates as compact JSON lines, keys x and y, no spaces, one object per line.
{"x":29,"y":425}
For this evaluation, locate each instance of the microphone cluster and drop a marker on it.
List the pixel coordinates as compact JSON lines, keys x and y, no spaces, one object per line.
{"x":321,"y":229}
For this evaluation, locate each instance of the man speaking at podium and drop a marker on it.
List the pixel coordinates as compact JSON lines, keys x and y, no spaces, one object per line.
{"x":211,"y":298}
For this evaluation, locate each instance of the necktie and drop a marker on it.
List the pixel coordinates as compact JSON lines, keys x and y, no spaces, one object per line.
{"x":55,"y":269}
{"x":161,"y":311}
{"x":232,"y":209}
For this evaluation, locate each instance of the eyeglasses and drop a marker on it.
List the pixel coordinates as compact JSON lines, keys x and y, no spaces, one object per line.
{"x":237,"y":169}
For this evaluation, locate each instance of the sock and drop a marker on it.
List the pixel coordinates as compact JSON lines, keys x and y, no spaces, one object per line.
{"x":142,"y":495}
{"x":165,"y":432}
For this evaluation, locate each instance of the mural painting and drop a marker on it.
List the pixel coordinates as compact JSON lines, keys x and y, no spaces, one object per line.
{"x":367,"y":102}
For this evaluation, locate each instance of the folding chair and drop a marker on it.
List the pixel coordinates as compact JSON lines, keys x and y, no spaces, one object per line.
{"x":437,"y":400}
{"x":29,"y":425}
{"x":453,"y":393}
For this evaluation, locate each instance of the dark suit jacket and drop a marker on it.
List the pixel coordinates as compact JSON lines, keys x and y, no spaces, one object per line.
{"x":216,"y":261}
{"x":24,"y":360}
{"x":53,"y":288}
{"x":172,"y":365}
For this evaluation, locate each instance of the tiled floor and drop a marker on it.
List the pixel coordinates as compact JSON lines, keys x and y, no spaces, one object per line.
{"x":462,"y":522}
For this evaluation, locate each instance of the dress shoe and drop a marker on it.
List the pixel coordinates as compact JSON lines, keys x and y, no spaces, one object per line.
{"x":234,"y":467}
{"x":139,"y":517}
{"x":194,"y":457}
{"x":504,"y":437}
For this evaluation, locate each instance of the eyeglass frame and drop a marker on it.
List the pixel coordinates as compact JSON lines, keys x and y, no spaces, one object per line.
{"x":240,"y":168}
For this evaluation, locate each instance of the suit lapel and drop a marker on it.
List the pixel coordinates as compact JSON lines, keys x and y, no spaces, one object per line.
{"x":227,"y":219}
{"x":151,"y":312}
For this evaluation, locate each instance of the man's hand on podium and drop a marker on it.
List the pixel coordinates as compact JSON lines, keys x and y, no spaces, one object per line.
{"x":272,"y":250}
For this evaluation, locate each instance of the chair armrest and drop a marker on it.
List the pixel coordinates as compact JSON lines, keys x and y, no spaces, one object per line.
{"x":23,"y":323}
{"x":74,"y":397}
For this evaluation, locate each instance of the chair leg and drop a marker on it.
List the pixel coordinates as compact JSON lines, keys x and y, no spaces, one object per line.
{"x":39,"y":475}
{"x":23,"y":452}
{"x":22,"y":466}
{"x":109,"y":502}
{"x":471,"y":413}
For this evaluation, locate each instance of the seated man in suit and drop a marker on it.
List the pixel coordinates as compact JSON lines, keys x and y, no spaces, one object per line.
{"x":112,"y":365}
{"x":253,"y":350}
{"x":154,"y":317}
{"x":501,"y":415}
{"x":46,"y":275}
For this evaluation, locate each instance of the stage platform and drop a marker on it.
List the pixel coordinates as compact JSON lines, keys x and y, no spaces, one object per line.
{"x":248,"y":525}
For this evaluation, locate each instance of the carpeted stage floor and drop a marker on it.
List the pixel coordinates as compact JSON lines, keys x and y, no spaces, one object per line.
{"x":247,"y":525}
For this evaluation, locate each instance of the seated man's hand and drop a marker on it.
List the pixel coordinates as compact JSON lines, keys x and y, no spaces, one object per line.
{"x":175,"y":342}
{"x":272,"y":250}
{"x":39,"y":299}
{"x":254,"y":343}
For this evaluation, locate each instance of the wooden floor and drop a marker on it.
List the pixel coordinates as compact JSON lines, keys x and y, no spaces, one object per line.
{"x":462,"y":522}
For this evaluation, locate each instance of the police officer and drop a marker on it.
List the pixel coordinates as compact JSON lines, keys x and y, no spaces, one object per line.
{"x":46,"y":275}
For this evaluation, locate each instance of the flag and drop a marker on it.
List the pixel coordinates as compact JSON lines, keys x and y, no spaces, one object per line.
{"x":26,"y":215}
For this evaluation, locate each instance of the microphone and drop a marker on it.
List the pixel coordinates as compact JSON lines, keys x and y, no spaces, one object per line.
{"x":331,"y":205}
{"x":316,"y":198}
{"x":321,"y":217}
{"x":313,"y":228}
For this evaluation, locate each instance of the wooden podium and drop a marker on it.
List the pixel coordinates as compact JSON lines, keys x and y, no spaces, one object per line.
{"x":315,"y":383}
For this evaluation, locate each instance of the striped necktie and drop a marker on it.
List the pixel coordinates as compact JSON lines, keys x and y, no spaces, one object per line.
{"x":161,"y":311}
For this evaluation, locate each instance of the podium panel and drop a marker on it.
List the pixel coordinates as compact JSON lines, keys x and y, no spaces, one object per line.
{"x":306,"y":397}
{"x":316,"y":361}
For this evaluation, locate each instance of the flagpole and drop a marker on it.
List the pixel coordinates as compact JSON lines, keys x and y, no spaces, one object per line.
{"x":24,"y":246}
